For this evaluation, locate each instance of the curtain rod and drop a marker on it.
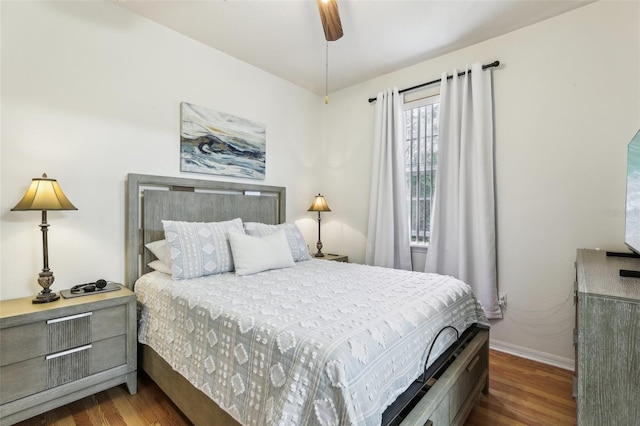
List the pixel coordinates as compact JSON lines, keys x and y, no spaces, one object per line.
{"x":460,"y":74}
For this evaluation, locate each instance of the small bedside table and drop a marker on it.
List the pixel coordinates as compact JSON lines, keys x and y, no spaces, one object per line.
{"x":335,"y":257}
{"x":54,"y":353}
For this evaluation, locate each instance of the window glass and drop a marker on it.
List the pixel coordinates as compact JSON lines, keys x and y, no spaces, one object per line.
{"x":421,"y":163}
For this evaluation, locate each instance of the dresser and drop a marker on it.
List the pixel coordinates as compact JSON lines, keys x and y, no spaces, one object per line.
{"x":607,"y":340}
{"x":55,"y":353}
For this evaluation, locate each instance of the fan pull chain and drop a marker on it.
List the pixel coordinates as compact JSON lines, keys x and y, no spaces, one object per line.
{"x":326,"y":75}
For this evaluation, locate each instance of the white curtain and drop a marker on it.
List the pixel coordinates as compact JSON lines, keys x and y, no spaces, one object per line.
{"x":388,"y":232}
{"x":463,"y":222}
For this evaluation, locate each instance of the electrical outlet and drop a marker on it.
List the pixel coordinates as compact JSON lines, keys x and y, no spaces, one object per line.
{"x":502,"y":299}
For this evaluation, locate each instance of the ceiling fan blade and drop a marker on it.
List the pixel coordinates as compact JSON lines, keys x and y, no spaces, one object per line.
{"x":330,"y":17}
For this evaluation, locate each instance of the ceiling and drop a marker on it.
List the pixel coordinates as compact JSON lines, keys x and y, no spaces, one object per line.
{"x":285,"y":37}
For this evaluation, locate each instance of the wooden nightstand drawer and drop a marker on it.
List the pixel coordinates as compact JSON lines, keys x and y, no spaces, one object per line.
{"x":68,"y":332}
{"x":108,"y":353}
{"x":46,"y":372}
{"x":23,"y":341}
{"x":22,"y":379}
{"x":73,"y":364}
{"x":109,"y":322}
{"x":59,"y":334}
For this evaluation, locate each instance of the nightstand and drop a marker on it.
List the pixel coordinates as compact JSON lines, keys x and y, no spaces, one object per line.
{"x":54,"y":353}
{"x":335,"y":257}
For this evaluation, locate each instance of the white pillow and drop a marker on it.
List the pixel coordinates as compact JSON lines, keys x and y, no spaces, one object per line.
{"x":160,"y":267}
{"x":160,"y":250}
{"x":257,"y":254}
{"x":198,"y":249}
{"x":297,"y":244}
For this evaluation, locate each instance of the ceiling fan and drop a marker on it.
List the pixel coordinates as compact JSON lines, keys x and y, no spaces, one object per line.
{"x":330,"y":17}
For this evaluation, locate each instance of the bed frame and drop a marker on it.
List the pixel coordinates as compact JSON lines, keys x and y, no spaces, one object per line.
{"x":444,"y":396}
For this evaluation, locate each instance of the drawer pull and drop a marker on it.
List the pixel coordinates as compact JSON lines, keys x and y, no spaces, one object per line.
{"x":69,"y":318}
{"x":70,"y":351}
{"x":473,"y":363}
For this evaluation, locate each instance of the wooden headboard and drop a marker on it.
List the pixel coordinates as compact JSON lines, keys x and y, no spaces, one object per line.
{"x":150,"y":199}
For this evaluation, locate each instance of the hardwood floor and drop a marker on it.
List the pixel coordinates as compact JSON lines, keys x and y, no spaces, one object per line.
{"x":521,"y":392}
{"x":524,"y":392}
{"x":115,"y":407}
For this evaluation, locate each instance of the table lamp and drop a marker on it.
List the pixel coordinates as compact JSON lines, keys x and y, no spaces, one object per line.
{"x":44,"y":194}
{"x":319,"y":204}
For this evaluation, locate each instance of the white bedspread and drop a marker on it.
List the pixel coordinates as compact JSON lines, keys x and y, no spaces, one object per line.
{"x":322,"y":343}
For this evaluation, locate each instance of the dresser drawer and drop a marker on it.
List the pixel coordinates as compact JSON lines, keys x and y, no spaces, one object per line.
{"x":59,"y":334}
{"x":45,"y":372}
{"x":68,"y":332}
{"x":24,"y":341}
{"x":109,"y":322}
{"x":440,"y":416}
{"x":22,"y":379}
{"x":467,"y":380}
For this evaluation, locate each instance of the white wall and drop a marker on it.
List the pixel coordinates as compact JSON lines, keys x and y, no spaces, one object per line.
{"x":567,"y":102}
{"x":91,"y":92}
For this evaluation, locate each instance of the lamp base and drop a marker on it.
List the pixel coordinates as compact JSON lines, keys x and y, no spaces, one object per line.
{"x":45,"y":297}
{"x":45,"y":279}
{"x":318,"y":254}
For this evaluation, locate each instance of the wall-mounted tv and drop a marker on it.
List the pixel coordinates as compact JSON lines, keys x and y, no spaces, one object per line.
{"x":632,"y":222}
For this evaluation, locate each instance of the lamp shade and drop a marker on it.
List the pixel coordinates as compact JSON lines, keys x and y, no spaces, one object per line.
{"x":44,"y":194}
{"x":319,"y":204}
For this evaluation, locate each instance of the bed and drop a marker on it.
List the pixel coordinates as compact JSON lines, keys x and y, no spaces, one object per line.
{"x":317,"y":342}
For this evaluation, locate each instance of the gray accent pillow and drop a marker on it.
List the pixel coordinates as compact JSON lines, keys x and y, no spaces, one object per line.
{"x":198,"y":249}
{"x":297,"y":244}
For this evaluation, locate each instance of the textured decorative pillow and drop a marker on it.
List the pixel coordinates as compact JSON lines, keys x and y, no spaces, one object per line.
{"x":198,"y":248}
{"x":256,"y":254}
{"x":160,"y":250}
{"x":159,"y":266}
{"x":298,"y":245}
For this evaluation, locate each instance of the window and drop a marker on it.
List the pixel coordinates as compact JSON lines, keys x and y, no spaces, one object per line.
{"x":421,"y":161}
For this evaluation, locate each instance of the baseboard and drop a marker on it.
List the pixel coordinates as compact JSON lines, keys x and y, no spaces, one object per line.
{"x":532,"y":354}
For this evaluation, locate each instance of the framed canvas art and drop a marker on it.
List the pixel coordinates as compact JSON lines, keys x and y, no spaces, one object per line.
{"x":216,"y":143}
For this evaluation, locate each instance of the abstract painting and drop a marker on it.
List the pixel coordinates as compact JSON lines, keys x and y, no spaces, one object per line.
{"x":221,"y":144}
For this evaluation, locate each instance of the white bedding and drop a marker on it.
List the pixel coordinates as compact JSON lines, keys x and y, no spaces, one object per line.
{"x":321,"y":343}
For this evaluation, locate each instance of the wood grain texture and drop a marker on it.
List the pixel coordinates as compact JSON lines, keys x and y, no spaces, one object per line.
{"x":137,"y":185}
{"x":524,"y":392}
{"x":201,"y":207}
{"x":116,"y":406}
{"x":608,"y":340}
{"x":330,"y":18}
{"x":521,"y":392}
{"x":598,"y":273}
